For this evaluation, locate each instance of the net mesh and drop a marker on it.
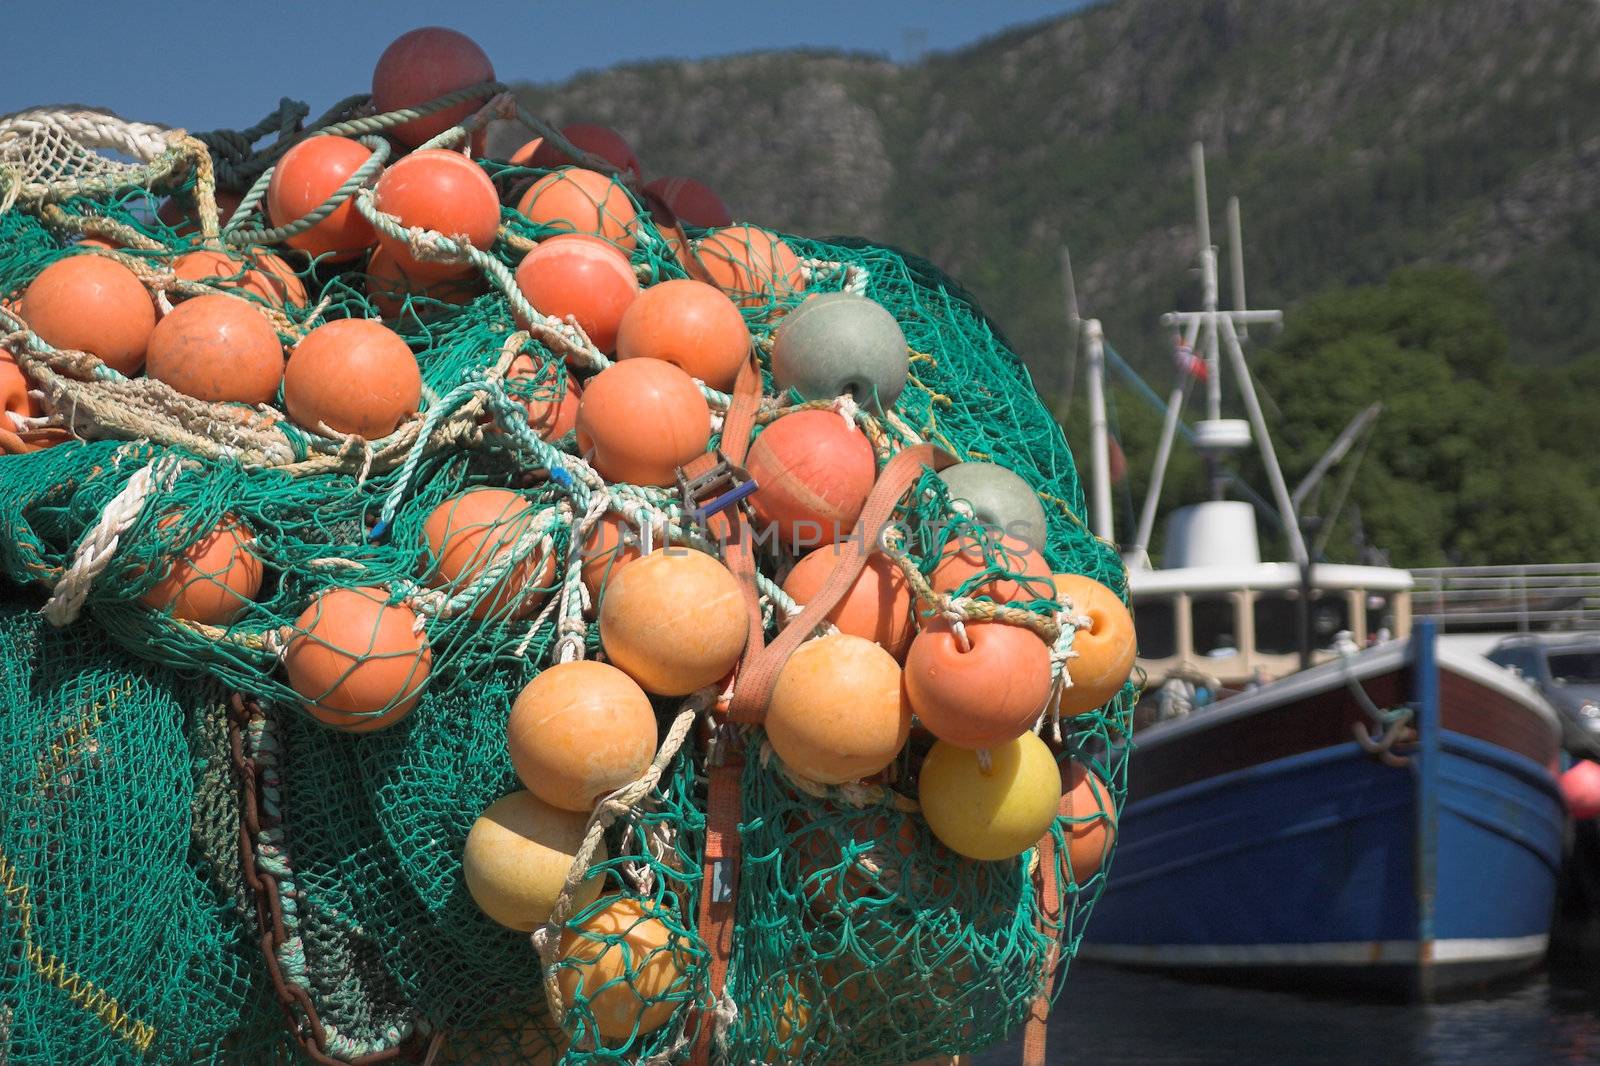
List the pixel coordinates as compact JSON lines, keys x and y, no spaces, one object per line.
{"x":194,"y":869}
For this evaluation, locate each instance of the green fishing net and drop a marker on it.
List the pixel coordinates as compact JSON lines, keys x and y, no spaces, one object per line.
{"x":195,"y":869}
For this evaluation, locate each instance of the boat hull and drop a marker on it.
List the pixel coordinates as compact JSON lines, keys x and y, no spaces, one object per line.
{"x":1304,"y":859}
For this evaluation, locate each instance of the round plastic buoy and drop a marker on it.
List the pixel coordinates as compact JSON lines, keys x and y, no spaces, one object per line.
{"x":468,"y":533}
{"x":390,"y":285}
{"x":983,"y":696}
{"x":590,"y":137}
{"x":582,"y":276}
{"x":517,"y":857}
{"x":15,"y":391}
{"x":1092,"y":827}
{"x":877,"y":607}
{"x":964,"y":559}
{"x":991,"y":815}
{"x":1580,"y":787}
{"x":674,"y":621}
{"x":441,"y":191}
{"x":262,"y":275}
{"x":92,"y":304}
{"x":814,"y":471}
{"x":610,"y":545}
{"x":582,"y":201}
{"x":837,"y":343}
{"x":838,"y":712}
{"x":184,"y":215}
{"x":1104,"y":652}
{"x":214,"y":579}
{"x":627,"y":965}
{"x":352,"y":375}
{"x":423,"y":65}
{"x":750,"y":264}
{"x":689,"y":324}
{"x":642,"y":419}
{"x":358,"y":662}
{"x":302,"y":181}
{"x":217,"y":348}
{"x":999,"y":498}
{"x":692,"y":202}
{"x":579,"y":731}
{"x":553,"y":408}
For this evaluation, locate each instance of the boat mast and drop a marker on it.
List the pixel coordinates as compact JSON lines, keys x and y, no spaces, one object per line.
{"x":1095,"y":366}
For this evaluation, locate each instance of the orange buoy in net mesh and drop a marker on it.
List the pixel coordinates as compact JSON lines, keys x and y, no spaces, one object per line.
{"x":217,"y":348}
{"x":813,"y":470}
{"x":575,"y":200}
{"x":214,"y":579}
{"x":838,"y":712}
{"x":517,"y":857}
{"x":358,"y":662}
{"x":836,"y":861}
{"x":642,"y":419}
{"x":967,"y":556}
{"x":480,"y":528}
{"x":591,"y":137}
{"x":674,"y":621}
{"x":553,"y":404}
{"x":578,"y":731}
{"x":15,"y":392}
{"x":91,"y":304}
{"x":352,"y":375}
{"x":183,"y":215}
{"x":423,"y":65}
{"x":626,"y":965}
{"x":610,"y":545}
{"x":262,"y":275}
{"x":582,"y":276}
{"x":393,"y":289}
{"x":1103,"y":653}
{"x":441,"y":191}
{"x":877,"y":607}
{"x":751,"y":264}
{"x":1091,"y":829}
{"x":693,"y":202}
{"x":689,"y":324}
{"x":306,"y":176}
{"x":983,"y":694}
{"x":990,"y":814}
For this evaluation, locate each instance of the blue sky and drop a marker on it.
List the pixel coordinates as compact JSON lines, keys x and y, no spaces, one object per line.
{"x":206,"y":65}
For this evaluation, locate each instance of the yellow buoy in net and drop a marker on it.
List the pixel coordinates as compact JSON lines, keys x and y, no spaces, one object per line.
{"x":627,"y":965}
{"x":578,"y":731}
{"x":674,"y":621}
{"x":838,"y":712}
{"x":517,"y":857}
{"x":994,"y":814}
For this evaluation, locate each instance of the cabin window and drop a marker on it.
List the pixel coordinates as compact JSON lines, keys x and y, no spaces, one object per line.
{"x":1275,"y":624}
{"x":1330,"y":615}
{"x":1156,"y":625}
{"x":1380,"y":617}
{"x":1215,"y":626}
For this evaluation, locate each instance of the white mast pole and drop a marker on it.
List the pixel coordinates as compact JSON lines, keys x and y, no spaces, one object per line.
{"x":1269,"y":454}
{"x":1208,"y":283}
{"x":1099,"y":451}
{"x":1236,"y":260}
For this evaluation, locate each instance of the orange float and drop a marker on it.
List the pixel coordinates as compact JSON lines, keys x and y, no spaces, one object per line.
{"x":358,"y":663}
{"x":441,"y":191}
{"x":423,"y":65}
{"x":15,"y":389}
{"x":814,"y":470}
{"x":838,"y":712}
{"x":836,"y":862}
{"x":214,"y":579}
{"x":877,"y":607}
{"x":184,"y":217}
{"x":985,"y":695}
{"x":579,"y":731}
{"x":963,"y":559}
{"x":591,"y":137}
{"x":582,"y":276}
{"x":553,"y":409}
{"x":674,"y":621}
{"x":626,"y":965}
{"x":692,"y":202}
{"x":217,"y":348}
{"x":390,"y":285}
{"x":689,"y":324}
{"x":642,"y":419}
{"x":1091,"y":826}
{"x":262,"y":275}
{"x":610,"y":545}
{"x":468,"y":533}
{"x":92,"y":304}
{"x":302,"y":181}
{"x":751,"y":264}
{"x":517,"y":857}
{"x":574,"y":200}
{"x":1103,"y":654}
{"x":354,"y":376}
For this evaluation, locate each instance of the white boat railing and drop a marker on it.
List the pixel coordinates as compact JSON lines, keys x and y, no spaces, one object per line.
{"x":1525,"y":598}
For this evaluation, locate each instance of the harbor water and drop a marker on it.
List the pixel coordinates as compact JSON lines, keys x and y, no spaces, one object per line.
{"x":1111,"y":1017}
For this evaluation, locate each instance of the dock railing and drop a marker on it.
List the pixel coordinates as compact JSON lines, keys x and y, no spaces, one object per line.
{"x":1529,"y":598}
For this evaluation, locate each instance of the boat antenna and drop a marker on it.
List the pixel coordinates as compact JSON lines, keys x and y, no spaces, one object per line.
{"x":1095,"y":367}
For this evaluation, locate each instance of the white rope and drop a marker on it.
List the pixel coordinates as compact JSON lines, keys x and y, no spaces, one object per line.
{"x":97,"y":547}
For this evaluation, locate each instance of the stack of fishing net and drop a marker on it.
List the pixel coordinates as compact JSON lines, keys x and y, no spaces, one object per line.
{"x":256,"y":696}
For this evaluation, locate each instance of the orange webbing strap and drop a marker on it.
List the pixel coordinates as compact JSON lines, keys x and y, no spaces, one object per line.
{"x":718,"y":885}
{"x":759,"y":674}
{"x":1036,"y":1034}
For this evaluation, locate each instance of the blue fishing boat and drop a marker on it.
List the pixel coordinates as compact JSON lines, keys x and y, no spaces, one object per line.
{"x":1315,"y":796}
